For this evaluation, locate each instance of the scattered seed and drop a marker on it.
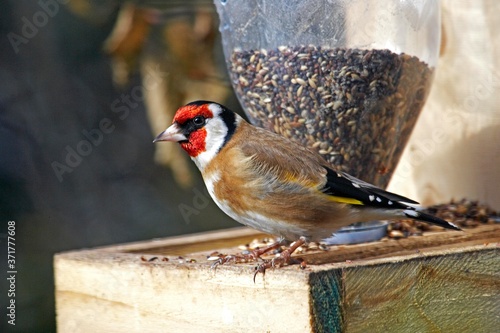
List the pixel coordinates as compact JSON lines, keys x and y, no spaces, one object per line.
{"x":323,"y":247}
{"x":396,"y":234}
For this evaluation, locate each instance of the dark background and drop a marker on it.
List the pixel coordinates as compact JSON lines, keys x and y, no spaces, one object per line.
{"x":56,"y":86}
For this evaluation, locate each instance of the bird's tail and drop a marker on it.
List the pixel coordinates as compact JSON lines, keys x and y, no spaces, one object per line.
{"x":419,"y":215}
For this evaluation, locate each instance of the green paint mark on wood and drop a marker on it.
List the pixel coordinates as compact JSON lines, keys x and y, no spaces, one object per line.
{"x":326,"y":298}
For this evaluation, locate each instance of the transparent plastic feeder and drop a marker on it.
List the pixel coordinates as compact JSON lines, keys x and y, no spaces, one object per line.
{"x":347,"y":78}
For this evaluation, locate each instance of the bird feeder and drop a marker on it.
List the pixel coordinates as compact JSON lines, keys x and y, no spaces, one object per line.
{"x":346,"y":78}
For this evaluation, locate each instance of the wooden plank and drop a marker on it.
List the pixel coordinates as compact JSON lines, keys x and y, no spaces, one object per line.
{"x":120,"y":293}
{"x":434,"y":289}
{"x":455,"y":292}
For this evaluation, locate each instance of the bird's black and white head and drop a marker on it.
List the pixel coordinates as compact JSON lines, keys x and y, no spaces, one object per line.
{"x":202,"y":128}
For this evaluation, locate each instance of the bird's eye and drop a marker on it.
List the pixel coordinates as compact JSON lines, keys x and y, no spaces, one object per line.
{"x":199,"y":120}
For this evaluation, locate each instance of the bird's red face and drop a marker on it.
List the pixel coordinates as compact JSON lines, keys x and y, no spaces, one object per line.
{"x":188,"y":128}
{"x":193,"y":119}
{"x":202,"y":128}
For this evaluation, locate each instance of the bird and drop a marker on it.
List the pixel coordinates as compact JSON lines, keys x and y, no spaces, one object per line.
{"x":277,"y":186}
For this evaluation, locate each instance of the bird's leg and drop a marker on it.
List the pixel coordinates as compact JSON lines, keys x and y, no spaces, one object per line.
{"x":282,"y":259}
{"x":260,"y":251}
{"x":253,"y":255}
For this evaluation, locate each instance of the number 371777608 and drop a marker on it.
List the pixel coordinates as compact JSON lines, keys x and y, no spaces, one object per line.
{"x":11,"y":245}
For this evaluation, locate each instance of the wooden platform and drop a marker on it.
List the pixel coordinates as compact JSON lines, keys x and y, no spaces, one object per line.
{"x":440,"y":282}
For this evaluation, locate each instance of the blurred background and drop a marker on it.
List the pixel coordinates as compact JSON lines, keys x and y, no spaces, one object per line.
{"x":85,"y":85}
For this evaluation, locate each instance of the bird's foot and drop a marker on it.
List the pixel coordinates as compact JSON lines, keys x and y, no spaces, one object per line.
{"x":282,"y":259}
{"x":234,"y":258}
{"x":251,"y":256}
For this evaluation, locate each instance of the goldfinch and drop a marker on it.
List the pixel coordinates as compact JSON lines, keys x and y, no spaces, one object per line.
{"x":272,"y":184}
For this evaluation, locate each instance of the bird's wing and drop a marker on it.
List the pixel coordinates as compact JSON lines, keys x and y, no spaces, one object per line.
{"x":281,"y":162}
{"x":287,"y":164}
{"x":344,"y":185}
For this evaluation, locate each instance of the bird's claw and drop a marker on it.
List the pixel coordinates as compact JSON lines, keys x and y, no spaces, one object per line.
{"x":282,"y":259}
{"x":261,"y":268}
{"x":217,"y":262}
{"x":278,"y":261}
{"x":234,"y":258}
{"x":251,"y":256}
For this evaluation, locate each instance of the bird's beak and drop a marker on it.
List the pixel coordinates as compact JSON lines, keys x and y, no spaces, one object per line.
{"x":173,"y":133}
